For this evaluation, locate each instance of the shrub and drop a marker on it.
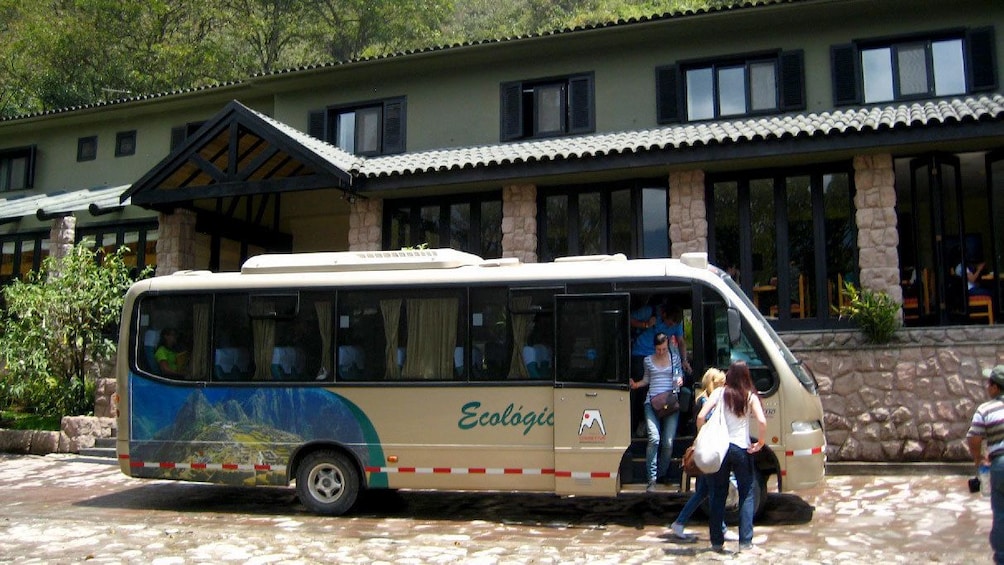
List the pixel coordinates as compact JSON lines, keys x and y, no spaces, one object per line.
{"x":876,"y":313}
{"x":58,"y":329}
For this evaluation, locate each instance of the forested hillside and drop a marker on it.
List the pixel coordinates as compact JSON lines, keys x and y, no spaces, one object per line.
{"x":62,"y":53}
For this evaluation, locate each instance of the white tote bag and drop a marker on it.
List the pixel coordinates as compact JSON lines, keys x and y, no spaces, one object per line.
{"x":712,"y":442}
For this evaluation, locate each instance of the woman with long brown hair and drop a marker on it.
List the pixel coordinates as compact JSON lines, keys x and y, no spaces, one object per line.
{"x":740,"y":400}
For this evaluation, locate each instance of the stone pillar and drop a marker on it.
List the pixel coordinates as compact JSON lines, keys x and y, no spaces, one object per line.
{"x":878,"y":238}
{"x":519,"y":222}
{"x":688,"y":214}
{"x":365,"y":221}
{"x":61,"y":236}
{"x":176,"y":241}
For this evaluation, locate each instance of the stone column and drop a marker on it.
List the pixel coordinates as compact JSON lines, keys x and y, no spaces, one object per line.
{"x":878,"y":238}
{"x":61,"y":236}
{"x":688,"y":214}
{"x":176,"y":241}
{"x":365,"y":221}
{"x":519,"y":222}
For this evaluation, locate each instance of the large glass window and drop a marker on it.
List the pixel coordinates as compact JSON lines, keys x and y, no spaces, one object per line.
{"x":140,"y":239}
{"x":629,"y":218}
{"x":788,"y":238}
{"x":21,"y":254}
{"x":906,"y":70}
{"x":17,"y":168}
{"x":470,"y":223}
{"x":547,"y":107}
{"x":367,"y":128}
{"x":945,"y":63}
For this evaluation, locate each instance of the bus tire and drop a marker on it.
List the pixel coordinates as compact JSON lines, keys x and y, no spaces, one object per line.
{"x":327,"y":483}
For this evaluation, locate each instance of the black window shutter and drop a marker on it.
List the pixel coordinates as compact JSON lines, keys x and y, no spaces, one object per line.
{"x":844,"y":65}
{"x":580,"y":104}
{"x":393,"y":126}
{"x":981,"y":50}
{"x":667,"y":97}
{"x":511,"y":110}
{"x":315,"y":124}
{"x":178,"y":136}
{"x":792,"y":68}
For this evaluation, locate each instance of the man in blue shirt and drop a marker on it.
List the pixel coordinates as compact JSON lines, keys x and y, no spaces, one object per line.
{"x":988,"y":425}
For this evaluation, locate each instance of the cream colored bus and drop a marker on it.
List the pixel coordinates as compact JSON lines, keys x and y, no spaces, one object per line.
{"x":428,"y":369}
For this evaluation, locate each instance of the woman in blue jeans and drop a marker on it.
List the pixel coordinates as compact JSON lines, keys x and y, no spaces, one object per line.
{"x":713,"y":378}
{"x":663,"y":372}
{"x":739,"y":400}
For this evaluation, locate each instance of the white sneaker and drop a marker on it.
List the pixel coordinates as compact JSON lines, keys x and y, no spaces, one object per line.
{"x":731,"y":536}
{"x":678,"y":530}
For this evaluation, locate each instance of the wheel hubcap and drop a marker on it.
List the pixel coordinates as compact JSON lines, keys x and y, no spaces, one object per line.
{"x":326,"y":483}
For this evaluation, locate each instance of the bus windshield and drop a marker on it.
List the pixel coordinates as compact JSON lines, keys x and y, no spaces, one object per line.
{"x":800,"y":371}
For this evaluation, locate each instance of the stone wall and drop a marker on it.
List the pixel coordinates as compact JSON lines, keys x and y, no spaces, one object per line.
{"x":176,"y":241}
{"x":365,"y":218}
{"x":519,"y":222}
{"x":76,"y":433}
{"x":688,"y":214}
{"x":875,"y":215}
{"x":911,"y":400}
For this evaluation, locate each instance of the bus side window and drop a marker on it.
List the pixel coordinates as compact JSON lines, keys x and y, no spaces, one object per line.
{"x":174,"y":332}
{"x":361,"y":341}
{"x":490,"y":335}
{"x":232,"y":339}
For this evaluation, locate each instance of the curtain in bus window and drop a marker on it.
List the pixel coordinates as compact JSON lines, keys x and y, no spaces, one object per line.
{"x":324,"y":320}
{"x":200,"y":341}
{"x":264,"y":343}
{"x":522,"y":324}
{"x":391,"y":310}
{"x":432,"y":337}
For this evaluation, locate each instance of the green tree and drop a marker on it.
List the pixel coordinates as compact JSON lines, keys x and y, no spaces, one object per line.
{"x":58,"y":328}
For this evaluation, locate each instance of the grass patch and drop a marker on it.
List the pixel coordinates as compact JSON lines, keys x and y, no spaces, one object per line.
{"x":22,"y":421}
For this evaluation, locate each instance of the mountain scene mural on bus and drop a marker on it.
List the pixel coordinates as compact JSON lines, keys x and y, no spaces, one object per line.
{"x":236,"y":435}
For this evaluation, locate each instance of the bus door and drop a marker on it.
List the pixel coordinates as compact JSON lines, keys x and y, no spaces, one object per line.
{"x":592,"y":401}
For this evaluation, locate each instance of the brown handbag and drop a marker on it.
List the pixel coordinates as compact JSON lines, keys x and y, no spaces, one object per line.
{"x":666,"y":403}
{"x":689,"y":466}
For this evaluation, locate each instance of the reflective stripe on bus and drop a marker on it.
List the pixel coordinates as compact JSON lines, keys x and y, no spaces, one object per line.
{"x":803,"y":452}
{"x":134,"y":463}
{"x":461,"y":470}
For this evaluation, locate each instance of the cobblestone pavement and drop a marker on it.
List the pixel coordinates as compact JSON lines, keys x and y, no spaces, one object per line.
{"x":69,"y":509}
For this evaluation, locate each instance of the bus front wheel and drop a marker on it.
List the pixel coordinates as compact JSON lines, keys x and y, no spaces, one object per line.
{"x":327,"y":483}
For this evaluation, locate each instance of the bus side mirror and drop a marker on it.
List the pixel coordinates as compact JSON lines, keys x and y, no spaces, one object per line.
{"x":735,"y":326}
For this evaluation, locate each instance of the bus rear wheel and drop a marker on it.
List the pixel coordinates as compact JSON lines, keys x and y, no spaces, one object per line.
{"x":327,"y":483}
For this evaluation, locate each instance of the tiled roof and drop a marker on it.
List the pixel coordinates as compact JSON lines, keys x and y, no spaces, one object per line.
{"x":17,"y":205}
{"x":790,"y":126}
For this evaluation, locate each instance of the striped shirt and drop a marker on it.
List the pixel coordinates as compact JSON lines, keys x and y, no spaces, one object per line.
{"x":658,"y":379}
{"x":988,"y":422}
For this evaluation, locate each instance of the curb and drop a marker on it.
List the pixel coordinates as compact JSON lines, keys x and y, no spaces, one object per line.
{"x":879,"y":468}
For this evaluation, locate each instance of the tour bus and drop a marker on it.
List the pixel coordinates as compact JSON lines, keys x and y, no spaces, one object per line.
{"x":429,"y":369}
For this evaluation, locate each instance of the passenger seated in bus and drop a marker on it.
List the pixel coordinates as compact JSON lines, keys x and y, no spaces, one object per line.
{"x":288,"y":363}
{"x":350,"y":362}
{"x":544,"y":357}
{"x":232,"y":364}
{"x":170,"y":361}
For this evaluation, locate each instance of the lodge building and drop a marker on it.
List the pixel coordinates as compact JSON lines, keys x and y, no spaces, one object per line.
{"x":801,"y":143}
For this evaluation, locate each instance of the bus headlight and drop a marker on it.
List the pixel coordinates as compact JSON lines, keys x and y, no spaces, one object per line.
{"x":804,"y":427}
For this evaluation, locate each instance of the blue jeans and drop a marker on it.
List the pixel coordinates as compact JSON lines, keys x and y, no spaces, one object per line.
{"x":740,"y":463}
{"x":659,"y":450}
{"x":997,"y":505}
{"x":701,"y":492}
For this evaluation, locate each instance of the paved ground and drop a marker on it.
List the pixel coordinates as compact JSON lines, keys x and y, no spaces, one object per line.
{"x":69,"y":509}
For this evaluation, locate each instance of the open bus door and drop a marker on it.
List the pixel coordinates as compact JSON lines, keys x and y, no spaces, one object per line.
{"x":592,"y":401}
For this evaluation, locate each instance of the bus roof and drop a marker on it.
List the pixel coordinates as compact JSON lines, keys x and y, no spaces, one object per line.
{"x":426,"y":266}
